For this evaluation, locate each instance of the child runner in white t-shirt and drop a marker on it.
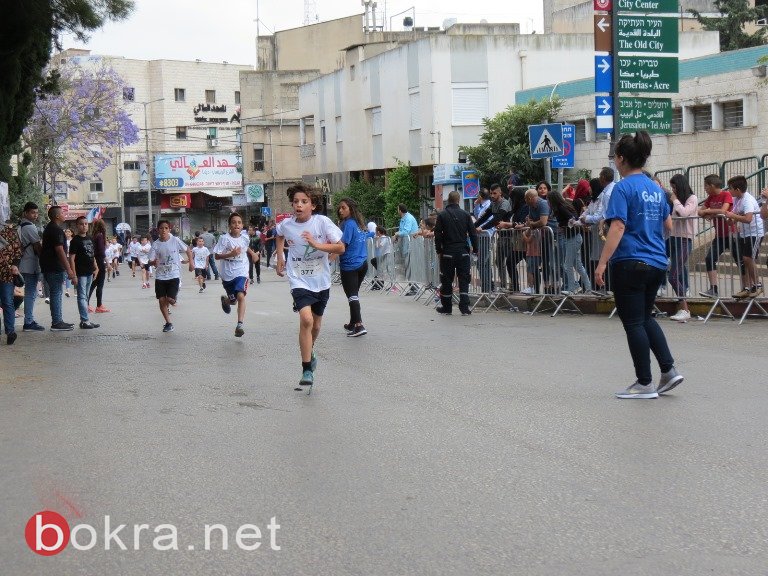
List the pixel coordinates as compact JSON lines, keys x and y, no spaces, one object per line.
{"x":142,"y":257}
{"x":232,"y":251}
{"x":133,"y":252}
{"x":200,"y":254}
{"x":165,"y":257}
{"x":310,"y":238}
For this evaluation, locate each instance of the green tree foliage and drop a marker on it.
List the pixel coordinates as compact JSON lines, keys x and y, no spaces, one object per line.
{"x":734,"y":14}
{"x":368,"y":195}
{"x":21,"y":188}
{"x":401,"y":188}
{"x":28,"y":32}
{"x":504,"y":143}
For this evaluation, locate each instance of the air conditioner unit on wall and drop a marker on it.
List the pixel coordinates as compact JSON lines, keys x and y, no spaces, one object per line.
{"x":213,"y":142}
{"x":93,"y":197}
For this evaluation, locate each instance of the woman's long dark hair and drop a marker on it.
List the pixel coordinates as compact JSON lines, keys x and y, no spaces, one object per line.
{"x":560,"y":204}
{"x":681,"y":188}
{"x":354,"y":212}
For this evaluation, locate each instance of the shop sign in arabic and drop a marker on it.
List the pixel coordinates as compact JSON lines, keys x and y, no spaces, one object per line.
{"x":195,"y":171}
{"x":650,"y":114}
{"x":647,"y":34}
{"x":648,"y":74}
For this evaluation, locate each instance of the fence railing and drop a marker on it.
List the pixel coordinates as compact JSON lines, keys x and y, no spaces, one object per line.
{"x":556,"y":268}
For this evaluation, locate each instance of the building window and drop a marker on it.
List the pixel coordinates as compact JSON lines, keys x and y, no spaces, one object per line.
{"x":469,"y":103}
{"x":237,"y":96}
{"x":213,"y":133}
{"x":733,"y":114}
{"x":415,"y":109}
{"x":131,"y":165}
{"x":322,"y":131}
{"x":677,"y":120}
{"x":210,"y":96}
{"x":339,"y":133}
{"x":258,"y":157}
{"x":181,"y":132}
{"x":702,"y":118}
{"x":97,"y":187}
{"x":179,"y":94}
{"x":129,"y":93}
{"x":376,"y":121}
{"x":580,"y":130}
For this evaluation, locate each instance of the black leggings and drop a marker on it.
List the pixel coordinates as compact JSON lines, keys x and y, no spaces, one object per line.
{"x":98,"y":285}
{"x":351,"y":280}
{"x":251,"y":264}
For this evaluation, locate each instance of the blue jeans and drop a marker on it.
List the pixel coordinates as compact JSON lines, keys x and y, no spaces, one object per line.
{"x":30,"y":295}
{"x":634,"y":288}
{"x":83,"y":287}
{"x":9,"y":311}
{"x":55,"y":285}
{"x":572,"y":261}
{"x":678,"y":250}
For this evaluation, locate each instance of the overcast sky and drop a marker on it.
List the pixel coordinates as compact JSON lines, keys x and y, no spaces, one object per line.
{"x":215,"y":31}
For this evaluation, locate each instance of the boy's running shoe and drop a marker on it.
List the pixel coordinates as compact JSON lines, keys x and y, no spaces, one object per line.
{"x":743,"y":294}
{"x":225,"y":305}
{"x":313,"y":361}
{"x":168,"y":327}
{"x":239,"y":330}
{"x":307,"y":378}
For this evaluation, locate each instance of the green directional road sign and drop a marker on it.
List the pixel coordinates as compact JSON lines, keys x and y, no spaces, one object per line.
{"x":650,"y":114}
{"x":647,"y":34}
{"x":648,"y":74}
{"x":647,"y":6}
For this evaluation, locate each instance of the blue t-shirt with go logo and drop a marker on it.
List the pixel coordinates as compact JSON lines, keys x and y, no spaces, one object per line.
{"x":643,"y":207}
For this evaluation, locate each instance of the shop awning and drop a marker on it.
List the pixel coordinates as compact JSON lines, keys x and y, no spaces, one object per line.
{"x":218,"y":193}
{"x":215,"y":193}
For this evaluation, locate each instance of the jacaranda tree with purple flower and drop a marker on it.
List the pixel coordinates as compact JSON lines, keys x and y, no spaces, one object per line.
{"x":75,"y":130}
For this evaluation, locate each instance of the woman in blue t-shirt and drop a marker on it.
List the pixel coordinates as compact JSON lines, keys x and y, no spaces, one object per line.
{"x":638,"y":213}
{"x":353,"y":262}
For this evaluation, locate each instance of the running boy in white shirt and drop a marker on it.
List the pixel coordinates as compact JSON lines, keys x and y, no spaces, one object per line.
{"x":200,"y":253}
{"x":142,"y":257}
{"x":133,"y":253}
{"x":232,"y":251}
{"x":165,"y":257}
{"x":310,"y":238}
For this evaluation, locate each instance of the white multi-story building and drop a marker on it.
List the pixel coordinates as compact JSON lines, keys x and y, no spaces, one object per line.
{"x":420,"y":101}
{"x":192,"y":111}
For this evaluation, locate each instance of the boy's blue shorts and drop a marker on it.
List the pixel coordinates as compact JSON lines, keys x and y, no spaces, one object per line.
{"x":232,"y":287}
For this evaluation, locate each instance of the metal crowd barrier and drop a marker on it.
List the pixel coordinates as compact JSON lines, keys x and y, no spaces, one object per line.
{"x":555,"y":267}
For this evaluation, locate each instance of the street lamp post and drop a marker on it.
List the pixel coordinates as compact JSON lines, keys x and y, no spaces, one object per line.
{"x":149,"y":163}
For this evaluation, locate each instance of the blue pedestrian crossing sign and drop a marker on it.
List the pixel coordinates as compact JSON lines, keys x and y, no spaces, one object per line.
{"x":546,"y":140}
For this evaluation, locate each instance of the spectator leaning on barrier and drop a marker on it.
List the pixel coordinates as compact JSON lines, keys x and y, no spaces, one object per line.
{"x":454,"y":233}
{"x":408,"y":226}
{"x":499,"y":210}
{"x":482,"y":203}
{"x":684,"y":206}
{"x":718,"y":202}
{"x":595,"y":215}
{"x":746,"y":213}
{"x":638,"y":213}
{"x":29,"y":266}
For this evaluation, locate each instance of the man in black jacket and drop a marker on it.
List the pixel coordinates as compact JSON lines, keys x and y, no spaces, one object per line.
{"x":452,"y":230}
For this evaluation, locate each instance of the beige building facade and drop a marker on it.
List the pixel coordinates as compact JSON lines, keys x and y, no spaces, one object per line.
{"x":192,"y":109}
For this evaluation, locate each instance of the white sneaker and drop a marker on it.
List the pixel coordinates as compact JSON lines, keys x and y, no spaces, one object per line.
{"x":681,"y":316}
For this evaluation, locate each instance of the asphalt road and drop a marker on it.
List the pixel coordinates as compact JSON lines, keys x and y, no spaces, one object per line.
{"x":489,"y":444}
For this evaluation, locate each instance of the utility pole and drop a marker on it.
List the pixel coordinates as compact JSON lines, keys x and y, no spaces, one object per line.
{"x":149,"y":163}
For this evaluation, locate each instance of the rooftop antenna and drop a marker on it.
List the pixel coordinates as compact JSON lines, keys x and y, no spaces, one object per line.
{"x":310,"y":12}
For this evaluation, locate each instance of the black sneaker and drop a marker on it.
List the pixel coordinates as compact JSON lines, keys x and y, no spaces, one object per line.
{"x":258,"y":280}
{"x":239,"y":331}
{"x":88,"y":325}
{"x":357,"y":331}
{"x":203,"y":285}
{"x":349,"y":327}
{"x":62,"y":327}
{"x":168,"y":327}
{"x":444,"y":311}
{"x":465,"y":311}
{"x":225,"y":305}
{"x":11,"y":338}
{"x":200,"y":291}
{"x":33,"y":327}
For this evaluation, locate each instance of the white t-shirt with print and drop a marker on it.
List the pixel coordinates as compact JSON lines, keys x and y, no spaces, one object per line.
{"x":746,"y":205}
{"x":167,"y":256}
{"x":237,"y":266}
{"x":133,"y":249}
{"x":307,"y":267}
{"x":143,"y":253}
{"x":200,"y":256}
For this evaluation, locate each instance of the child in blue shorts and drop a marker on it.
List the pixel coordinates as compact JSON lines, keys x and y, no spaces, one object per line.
{"x":232,"y":251}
